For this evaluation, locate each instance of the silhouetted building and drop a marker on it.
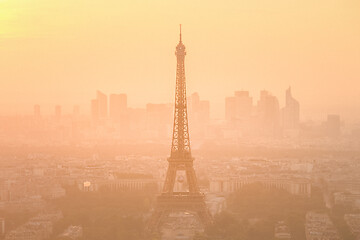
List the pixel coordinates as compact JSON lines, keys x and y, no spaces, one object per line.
{"x":238,"y":109}
{"x":102,"y":104}
{"x":230,"y":109}
{"x":291,"y":112}
{"x":319,"y":226}
{"x":243,"y":104}
{"x":282,"y":231}
{"x":199,"y":115}
{"x":269,"y":114}
{"x":99,"y":107}
{"x":199,"y":109}
{"x":158,"y":120}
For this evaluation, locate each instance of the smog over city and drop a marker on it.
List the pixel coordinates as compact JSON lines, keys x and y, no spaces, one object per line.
{"x":169,"y":120}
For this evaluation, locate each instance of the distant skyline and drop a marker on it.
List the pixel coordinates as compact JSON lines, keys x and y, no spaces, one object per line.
{"x":60,"y":52}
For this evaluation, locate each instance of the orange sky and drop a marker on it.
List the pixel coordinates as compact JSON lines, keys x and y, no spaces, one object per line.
{"x":62,"y":51}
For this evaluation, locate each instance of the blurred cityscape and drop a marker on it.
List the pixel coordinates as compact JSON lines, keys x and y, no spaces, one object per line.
{"x":65,"y":175}
{"x":112,"y":121}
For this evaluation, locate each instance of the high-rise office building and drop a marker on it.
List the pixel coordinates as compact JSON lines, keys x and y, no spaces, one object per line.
{"x":239,"y":106}
{"x":238,"y":109}
{"x":199,"y":110}
{"x":199,"y":115}
{"x":291,"y":112}
{"x":269,"y":114}
{"x":230,"y":109}
{"x":158,"y":119}
{"x":99,"y":107}
{"x":243,"y":104}
{"x":102,"y":103}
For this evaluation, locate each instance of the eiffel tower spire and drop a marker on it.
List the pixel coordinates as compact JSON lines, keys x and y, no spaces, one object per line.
{"x":180,"y":32}
{"x":180,"y":147}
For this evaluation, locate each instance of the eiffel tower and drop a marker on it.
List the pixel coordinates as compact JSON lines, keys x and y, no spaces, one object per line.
{"x":180,"y":160}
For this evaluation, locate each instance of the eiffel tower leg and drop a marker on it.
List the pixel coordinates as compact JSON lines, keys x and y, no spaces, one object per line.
{"x":191,"y":178}
{"x":170,"y":179}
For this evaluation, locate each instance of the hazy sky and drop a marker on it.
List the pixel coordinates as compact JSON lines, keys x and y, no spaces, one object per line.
{"x":62,"y":51}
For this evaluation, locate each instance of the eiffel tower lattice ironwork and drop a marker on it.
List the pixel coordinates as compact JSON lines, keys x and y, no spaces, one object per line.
{"x":180,"y":160}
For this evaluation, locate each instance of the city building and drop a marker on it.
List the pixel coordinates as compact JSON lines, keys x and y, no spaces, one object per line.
{"x":353,"y":222}
{"x":158,"y":120}
{"x":99,"y":107}
{"x":301,"y":187}
{"x":230,"y":109}
{"x":290,"y":114}
{"x":282,"y":231}
{"x":102,"y":104}
{"x":199,"y":115}
{"x":319,"y":226}
{"x":239,"y":107}
{"x":268,"y":113}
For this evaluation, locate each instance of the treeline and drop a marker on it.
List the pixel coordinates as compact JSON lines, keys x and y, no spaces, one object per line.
{"x":104,"y":215}
{"x":254,"y":211}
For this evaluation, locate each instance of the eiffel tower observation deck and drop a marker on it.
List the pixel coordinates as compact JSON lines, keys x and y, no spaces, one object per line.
{"x":180,"y":160}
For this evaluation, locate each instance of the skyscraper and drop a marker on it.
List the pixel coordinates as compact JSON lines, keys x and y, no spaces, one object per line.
{"x":199,"y":109}
{"x":243,"y":104}
{"x":199,"y":115}
{"x":99,"y":107}
{"x":157,"y":119}
{"x":291,"y":112}
{"x":269,"y":114}
{"x":238,"y":110}
{"x":102,"y":103}
{"x":230,"y":109}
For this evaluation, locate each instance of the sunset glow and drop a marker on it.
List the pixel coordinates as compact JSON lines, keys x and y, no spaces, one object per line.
{"x":127,"y":45}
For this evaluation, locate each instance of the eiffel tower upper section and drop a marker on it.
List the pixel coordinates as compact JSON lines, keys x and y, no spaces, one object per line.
{"x":180,"y":148}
